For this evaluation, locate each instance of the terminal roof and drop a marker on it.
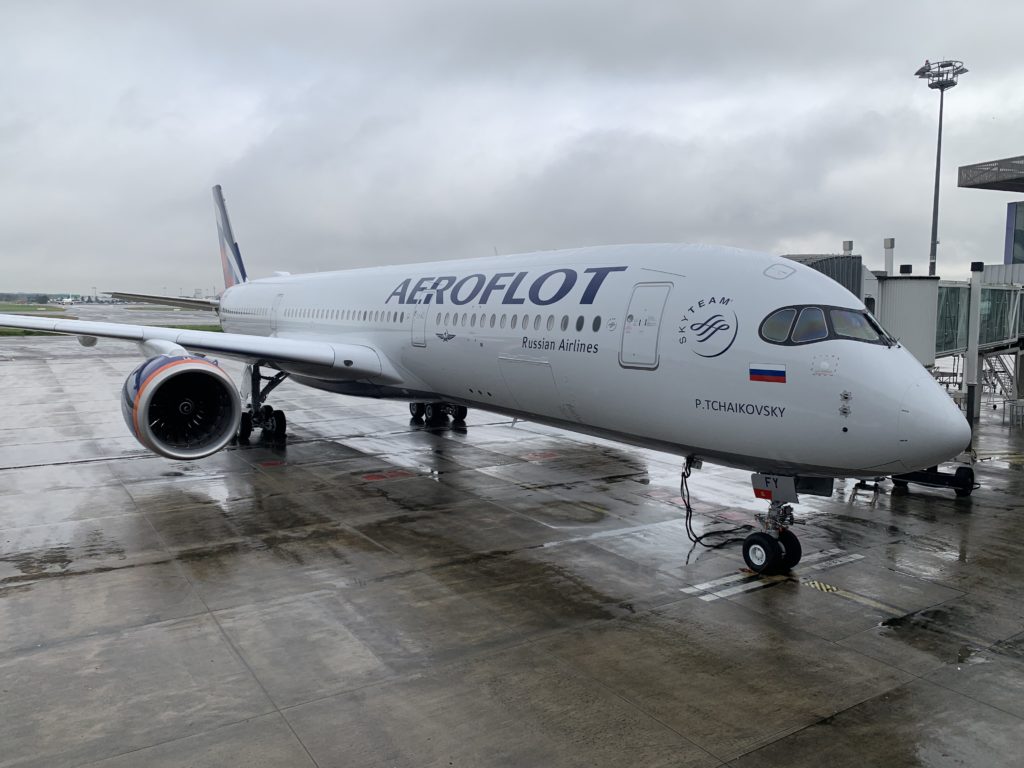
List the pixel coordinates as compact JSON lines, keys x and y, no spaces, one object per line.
{"x":1006,"y":175}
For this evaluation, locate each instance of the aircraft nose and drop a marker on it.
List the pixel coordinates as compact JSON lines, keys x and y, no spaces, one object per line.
{"x":931,"y":428}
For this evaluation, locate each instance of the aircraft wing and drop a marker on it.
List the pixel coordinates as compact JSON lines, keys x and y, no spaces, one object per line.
{"x":210,"y":305}
{"x":347,"y":361}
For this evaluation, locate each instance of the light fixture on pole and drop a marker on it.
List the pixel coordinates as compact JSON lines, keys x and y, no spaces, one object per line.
{"x":941,"y":75}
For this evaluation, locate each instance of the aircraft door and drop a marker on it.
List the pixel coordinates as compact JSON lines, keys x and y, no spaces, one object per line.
{"x":642,"y":326}
{"x":419,"y":327}
{"x":275,"y":313}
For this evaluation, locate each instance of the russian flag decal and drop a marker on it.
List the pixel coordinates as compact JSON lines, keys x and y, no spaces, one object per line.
{"x":768,"y":372}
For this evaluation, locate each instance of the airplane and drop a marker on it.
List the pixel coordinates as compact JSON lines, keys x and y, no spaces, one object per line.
{"x":67,"y":301}
{"x":716,"y":354}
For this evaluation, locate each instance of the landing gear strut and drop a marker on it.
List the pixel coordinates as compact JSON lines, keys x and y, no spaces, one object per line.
{"x":258,"y":415}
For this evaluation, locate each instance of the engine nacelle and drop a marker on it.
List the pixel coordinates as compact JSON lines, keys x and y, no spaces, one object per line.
{"x":181,"y":406}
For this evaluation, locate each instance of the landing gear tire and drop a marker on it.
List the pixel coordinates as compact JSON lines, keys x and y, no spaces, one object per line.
{"x":433,"y":412}
{"x":762,"y":553}
{"x":416,"y":410}
{"x":461,"y":412}
{"x":791,"y":549}
{"x":964,"y":479}
{"x":245,"y":427}
{"x":280,"y":425}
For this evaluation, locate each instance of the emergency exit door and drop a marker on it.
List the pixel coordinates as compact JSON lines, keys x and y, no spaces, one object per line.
{"x":419,"y":327}
{"x":642,"y":326}
{"x":275,"y":313}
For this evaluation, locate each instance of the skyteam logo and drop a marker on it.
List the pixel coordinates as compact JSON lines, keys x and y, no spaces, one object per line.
{"x":709,"y":327}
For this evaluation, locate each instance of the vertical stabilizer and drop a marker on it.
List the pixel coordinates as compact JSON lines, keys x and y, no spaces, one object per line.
{"x":230,"y":256}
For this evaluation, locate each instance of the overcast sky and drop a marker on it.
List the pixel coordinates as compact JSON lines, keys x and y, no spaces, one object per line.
{"x":353,"y":134}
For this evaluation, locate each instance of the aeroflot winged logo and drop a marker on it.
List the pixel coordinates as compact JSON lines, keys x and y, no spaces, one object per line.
{"x":709,"y":326}
{"x":504,"y":287}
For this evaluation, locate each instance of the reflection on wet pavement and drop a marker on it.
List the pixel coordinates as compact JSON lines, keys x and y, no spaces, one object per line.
{"x":373,"y":592}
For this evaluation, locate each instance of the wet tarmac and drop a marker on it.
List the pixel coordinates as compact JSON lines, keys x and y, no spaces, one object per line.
{"x":377,"y":593}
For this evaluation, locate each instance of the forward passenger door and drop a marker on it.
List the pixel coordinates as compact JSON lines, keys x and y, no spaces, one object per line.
{"x":642,"y":326}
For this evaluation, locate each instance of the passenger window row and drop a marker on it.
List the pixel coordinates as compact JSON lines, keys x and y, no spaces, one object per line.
{"x":448,"y":319}
{"x":346,"y":315}
{"x":521,"y":322}
{"x":809,"y":324}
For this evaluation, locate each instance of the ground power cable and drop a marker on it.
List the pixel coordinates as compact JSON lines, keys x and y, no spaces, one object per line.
{"x":684,"y":493}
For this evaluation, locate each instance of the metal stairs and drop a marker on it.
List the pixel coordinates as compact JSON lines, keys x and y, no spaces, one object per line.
{"x":1002,"y":375}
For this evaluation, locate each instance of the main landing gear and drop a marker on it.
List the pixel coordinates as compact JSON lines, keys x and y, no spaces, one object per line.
{"x":434,"y":413}
{"x":258,"y":415}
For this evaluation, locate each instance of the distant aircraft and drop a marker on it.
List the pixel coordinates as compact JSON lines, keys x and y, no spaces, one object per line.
{"x":715,"y":354}
{"x":67,"y":301}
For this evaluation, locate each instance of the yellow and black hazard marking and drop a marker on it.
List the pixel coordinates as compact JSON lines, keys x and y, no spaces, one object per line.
{"x":855,"y":597}
{"x":819,"y":585}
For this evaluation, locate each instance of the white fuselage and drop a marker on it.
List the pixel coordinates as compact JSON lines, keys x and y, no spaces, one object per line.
{"x":655,"y":345}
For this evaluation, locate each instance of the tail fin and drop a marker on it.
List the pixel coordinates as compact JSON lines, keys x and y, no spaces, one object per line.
{"x":230,"y":256}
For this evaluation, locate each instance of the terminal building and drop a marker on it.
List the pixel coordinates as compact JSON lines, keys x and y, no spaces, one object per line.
{"x":940,"y":339}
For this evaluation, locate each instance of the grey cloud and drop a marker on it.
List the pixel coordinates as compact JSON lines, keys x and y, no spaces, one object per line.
{"x":353,"y":134}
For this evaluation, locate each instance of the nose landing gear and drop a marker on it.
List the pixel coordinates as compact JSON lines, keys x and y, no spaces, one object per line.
{"x":773,"y":549}
{"x":766,"y":553}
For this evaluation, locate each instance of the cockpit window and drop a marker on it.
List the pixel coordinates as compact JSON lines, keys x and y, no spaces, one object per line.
{"x":811,"y":326}
{"x":777,"y":326}
{"x":802,"y":324}
{"x":853,"y":325}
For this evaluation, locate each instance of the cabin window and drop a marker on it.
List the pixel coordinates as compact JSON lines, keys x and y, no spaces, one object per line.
{"x":597,"y":323}
{"x":579,"y":323}
{"x":514,"y":319}
{"x":852,"y":325}
{"x":536,"y":323}
{"x":551,"y":322}
{"x":493,"y":318}
{"x":503,"y":318}
{"x":804,"y":325}
{"x":778,"y":325}
{"x":565,"y":322}
{"x":472,"y":321}
{"x":810,"y":326}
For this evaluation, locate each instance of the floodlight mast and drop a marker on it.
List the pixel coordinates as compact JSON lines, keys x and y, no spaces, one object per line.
{"x":941,"y":75}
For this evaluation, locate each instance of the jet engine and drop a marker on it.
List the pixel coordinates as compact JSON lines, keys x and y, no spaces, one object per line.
{"x":181,"y":406}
